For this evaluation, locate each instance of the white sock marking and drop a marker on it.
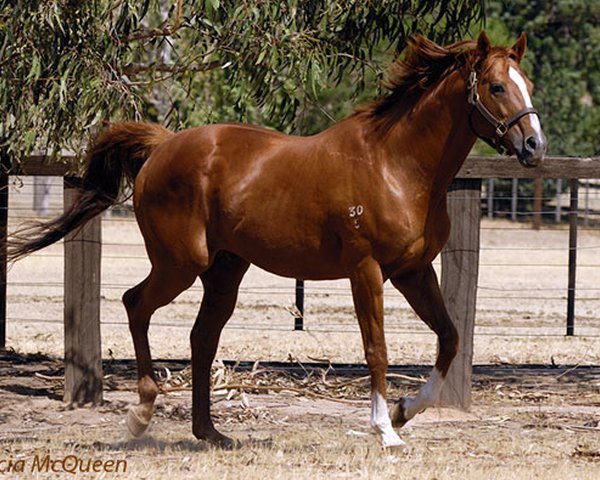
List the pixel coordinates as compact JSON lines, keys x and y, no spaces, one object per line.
{"x":380,"y":421}
{"x":516,"y":77}
{"x":428,"y":395}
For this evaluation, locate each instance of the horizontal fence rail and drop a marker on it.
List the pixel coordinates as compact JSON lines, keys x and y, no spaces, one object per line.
{"x":551,"y":167}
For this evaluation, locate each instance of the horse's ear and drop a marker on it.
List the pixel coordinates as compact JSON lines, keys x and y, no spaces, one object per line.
{"x":520,"y":46}
{"x":483,"y":44}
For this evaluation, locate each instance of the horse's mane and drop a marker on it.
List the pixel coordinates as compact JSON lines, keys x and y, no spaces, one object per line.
{"x":408,"y":78}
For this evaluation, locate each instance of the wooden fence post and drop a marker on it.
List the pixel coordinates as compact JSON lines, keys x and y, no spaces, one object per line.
{"x":460,"y":267}
{"x":83,"y":360}
{"x":299,"y":318}
{"x":3,"y":235}
{"x":572,"y":278}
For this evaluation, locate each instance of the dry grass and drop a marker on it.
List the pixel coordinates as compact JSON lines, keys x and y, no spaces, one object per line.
{"x":311,"y":446}
{"x":306,"y":429}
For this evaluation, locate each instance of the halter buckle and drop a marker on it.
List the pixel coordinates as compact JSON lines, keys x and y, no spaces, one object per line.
{"x":473,"y":97}
{"x":502,"y":129}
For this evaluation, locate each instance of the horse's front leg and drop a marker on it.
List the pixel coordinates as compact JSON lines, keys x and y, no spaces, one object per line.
{"x":367,"y":293}
{"x":422,"y":291}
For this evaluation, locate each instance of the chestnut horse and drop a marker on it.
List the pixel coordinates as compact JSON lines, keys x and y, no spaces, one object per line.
{"x":363,"y":200}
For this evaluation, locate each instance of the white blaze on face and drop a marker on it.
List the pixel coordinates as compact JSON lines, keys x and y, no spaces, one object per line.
{"x":516,"y":77}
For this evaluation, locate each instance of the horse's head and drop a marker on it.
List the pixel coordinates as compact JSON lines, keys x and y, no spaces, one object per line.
{"x":500,"y":95}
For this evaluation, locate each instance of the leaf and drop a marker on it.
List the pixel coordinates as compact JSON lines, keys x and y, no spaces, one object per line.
{"x":36,"y":69}
{"x":214,"y":4}
{"x":315,"y":78}
{"x":62,"y":91}
{"x":261,"y":56}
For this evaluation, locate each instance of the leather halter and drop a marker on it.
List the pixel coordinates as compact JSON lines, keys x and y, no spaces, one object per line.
{"x":501,"y":127}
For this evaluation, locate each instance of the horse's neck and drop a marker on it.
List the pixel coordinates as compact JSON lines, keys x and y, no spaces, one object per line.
{"x":436,"y":135}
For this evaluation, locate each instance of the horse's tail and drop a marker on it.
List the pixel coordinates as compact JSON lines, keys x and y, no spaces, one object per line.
{"x":116,"y":155}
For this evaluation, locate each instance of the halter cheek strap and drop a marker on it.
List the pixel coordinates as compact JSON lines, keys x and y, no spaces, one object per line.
{"x":501,"y":127}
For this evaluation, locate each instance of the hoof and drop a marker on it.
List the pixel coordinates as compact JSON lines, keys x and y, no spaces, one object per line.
{"x":226,"y":443}
{"x":398,"y":417}
{"x":218,"y":440}
{"x":396,"y":449}
{"x":136,"y":425}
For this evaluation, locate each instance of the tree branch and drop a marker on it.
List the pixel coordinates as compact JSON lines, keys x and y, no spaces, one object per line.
{"x":132,"y":70}
{"x":164,"y":31}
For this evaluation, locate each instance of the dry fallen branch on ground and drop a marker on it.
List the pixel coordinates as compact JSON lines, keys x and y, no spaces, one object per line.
{"x":585,"y":452}
{"x":227,"y":383}
{"x":48,"y":377}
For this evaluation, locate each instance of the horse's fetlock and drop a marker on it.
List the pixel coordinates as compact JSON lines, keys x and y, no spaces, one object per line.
{"x":148,"y":390}
{"x":398,"y":414}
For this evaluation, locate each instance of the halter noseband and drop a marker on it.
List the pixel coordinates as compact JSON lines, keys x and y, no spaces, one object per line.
{"x":501,"y":127}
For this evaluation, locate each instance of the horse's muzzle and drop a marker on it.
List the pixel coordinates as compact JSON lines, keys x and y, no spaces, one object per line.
{"x":531,"y":152}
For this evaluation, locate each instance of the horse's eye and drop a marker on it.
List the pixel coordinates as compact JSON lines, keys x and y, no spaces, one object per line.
{"x":496,"y":88}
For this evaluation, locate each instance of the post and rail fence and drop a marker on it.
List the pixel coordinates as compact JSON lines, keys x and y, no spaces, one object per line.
{"x":460,"y":265}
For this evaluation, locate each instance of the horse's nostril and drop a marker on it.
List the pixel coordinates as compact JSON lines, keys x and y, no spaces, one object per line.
{"x":531,"y":143}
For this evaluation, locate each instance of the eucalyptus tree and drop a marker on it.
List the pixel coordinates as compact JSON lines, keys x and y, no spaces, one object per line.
{"x":66,"y":66}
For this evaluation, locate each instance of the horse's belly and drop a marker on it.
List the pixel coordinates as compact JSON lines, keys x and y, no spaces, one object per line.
{"x":296,"y":255}
{"x":308,"y":271}
{"x":307,"y":264}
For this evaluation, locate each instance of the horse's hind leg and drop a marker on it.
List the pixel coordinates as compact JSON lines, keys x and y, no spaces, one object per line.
{"x":221,"y":282}
{"x":422,"y":291}
{"x":160,"y":287}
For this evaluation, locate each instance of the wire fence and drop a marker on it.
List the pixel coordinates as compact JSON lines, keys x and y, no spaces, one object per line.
{"x":522,"y":288}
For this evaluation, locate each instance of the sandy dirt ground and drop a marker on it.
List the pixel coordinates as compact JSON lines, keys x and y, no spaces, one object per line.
{"x":523,"y":424}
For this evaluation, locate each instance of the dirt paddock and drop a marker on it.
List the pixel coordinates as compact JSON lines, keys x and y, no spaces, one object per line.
{"x":525,"y":422}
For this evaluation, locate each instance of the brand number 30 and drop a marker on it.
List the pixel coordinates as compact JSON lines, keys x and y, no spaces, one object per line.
{"x":356,"y":211}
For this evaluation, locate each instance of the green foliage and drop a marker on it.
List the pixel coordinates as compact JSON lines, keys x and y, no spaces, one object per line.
{"x":66,"y":65}
{"x":525,"y":193}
